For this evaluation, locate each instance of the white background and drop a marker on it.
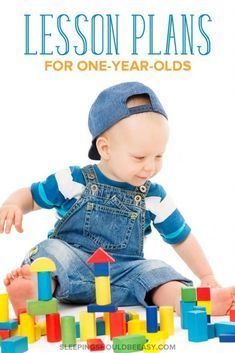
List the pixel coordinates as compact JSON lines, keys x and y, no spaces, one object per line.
{"x":44,"y":126}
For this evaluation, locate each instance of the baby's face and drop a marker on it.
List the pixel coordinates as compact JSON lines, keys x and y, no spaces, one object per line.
{"x":136,"y":147}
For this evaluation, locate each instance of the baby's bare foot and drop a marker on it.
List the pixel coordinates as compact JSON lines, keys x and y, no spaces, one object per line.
{"x":223,"y":299}
{"x":21,"y":285}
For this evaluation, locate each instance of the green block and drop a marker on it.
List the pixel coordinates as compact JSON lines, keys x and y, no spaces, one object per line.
{"x":41,"y":307}
{"x":129,"y":343}
{"x":188,"y":294}
{"x":68,"y":331}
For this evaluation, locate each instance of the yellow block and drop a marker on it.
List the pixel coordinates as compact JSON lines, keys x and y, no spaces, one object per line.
{"x":43,"y":264}
{"x":133,"y":315}
{"x":42,"y":325}
{"x":167,"y":319}
{"x":16,"y":331}
{"x":87,"y":325}
{"x":27,"y":327}
{"x":157,"y":336}
{"x":4,"y":307}
{"x":106,"y":323}
{"x":37,"y":332}
{"x":206,"y":304}
{"x":136,"y":326}
{"x":102,"y":289}
{"x":154,"y":346}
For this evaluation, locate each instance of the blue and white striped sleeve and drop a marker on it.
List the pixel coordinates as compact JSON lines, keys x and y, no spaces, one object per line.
{"x":58,"y":188}
{"x":166,"y":218}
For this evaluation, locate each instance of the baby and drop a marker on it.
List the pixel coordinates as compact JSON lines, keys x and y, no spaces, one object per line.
{"x":112,"y":205}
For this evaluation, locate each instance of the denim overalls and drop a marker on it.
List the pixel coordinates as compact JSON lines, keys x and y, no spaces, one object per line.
{"x":112,"y":218}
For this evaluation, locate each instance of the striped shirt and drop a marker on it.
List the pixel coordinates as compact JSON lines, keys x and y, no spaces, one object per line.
{"x":62,"y":189}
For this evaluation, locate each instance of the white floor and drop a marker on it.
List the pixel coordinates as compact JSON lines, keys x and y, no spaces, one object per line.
{"x":176,"y":344}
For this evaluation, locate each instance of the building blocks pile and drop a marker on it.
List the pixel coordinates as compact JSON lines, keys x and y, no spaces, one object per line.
{"x":127,"y":331}
{"x":196,"y":311}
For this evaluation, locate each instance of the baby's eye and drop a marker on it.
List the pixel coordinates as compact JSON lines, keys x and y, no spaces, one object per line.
{"x":159,"y":156}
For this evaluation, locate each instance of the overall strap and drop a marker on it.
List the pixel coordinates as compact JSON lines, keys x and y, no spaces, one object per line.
{"x":89,"y":174}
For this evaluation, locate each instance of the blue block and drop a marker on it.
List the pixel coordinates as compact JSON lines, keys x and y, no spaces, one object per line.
{"x":16,"y":344}
{"x":77,"y":326}
{"x":208,"y":319}
{"x":227,"y":337}
{"x":224,"y":327}
{"x":151,"y":318}
{"x":185,"y":307}
{"x":211,"y":331}
{"x":94,"y":308}
{"x":100,"y":327}
{"x":127,"y":317}
{"x":9,"y":325}
{"x":197,"y":326}
{"x":44,"y":286}
{"x":101,"y":269}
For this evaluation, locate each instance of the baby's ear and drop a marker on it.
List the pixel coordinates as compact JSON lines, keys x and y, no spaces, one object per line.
{"x":102,"y":145}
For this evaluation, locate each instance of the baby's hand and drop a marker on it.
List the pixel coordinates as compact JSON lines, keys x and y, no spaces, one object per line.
{"x":209,"y":281}
{"x":10,"y":215}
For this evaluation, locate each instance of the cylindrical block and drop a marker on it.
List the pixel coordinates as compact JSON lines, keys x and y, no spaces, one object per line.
{"x":167,"y":319}
{"x":4,"y":308}
{"x":68,"y":331}
{"x":87,"y":325}
{"x":53,"y":327}
{"x":103,"y":292}
{"x":151,"y":318}
{"x":44,"y":286}
{"x":27,"y":327}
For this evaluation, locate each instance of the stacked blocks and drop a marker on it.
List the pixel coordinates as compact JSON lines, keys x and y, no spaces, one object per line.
{"x":101,"y":261}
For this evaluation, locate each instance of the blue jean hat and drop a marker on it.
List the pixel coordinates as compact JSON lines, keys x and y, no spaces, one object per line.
{"x":111,"y":106}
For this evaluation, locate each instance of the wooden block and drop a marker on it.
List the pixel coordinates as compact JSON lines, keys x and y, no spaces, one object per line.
{"x":197,"y":326}
{"x":206,"y":304}
{"x":203,"y":293}
{"x":68,"y":331}
{"x":9,"y":325}
{"x":101,"y":269}
{"x":232,"y":315}
{"x":185,"y":307}
{"x":224,"y":328}
{"x":94,"y":308}
{"x":4,"y":334}
{"x":42,"y":325}
{"x":188,"y":294}
{"x":129,"y":343}
{"x":95,"y":344}
{"x":107,"y":323}
{"x":103,"y":290}
{"x":100,"y":327}
{"x":27,"y":327}
{"x":44,"y":286}
{"x":87,"y":325}
{"x":211,"y":331}
{"x":38,"y":334}
{"x":4,"y":308}
{"x":53,"y":327}
{"x":133,"y":315}
{"x":117,"y":323}
{"x":15,"y":344}
{"x":151,"y":318}
{"x":100,"y":256}
{"x":136,"y":327}
{"x":41,"y":307}
{"x":227,"y":337}
{"x":167,"y":319}
{"x":43,"y":264}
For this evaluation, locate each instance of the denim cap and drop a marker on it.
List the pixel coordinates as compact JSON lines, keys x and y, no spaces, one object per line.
{"x":111,"y":106}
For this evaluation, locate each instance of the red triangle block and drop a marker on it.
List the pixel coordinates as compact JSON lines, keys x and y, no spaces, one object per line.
{"x":100,"y":256}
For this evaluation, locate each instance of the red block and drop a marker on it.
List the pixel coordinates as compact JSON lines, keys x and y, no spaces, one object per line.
{"x":232,"y":315}
{"x":4,"y":334}
{"x":203,"y":293}
{"x":117,"y":321}
{"x":95,"y":344}
{"x":53,"y":327}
